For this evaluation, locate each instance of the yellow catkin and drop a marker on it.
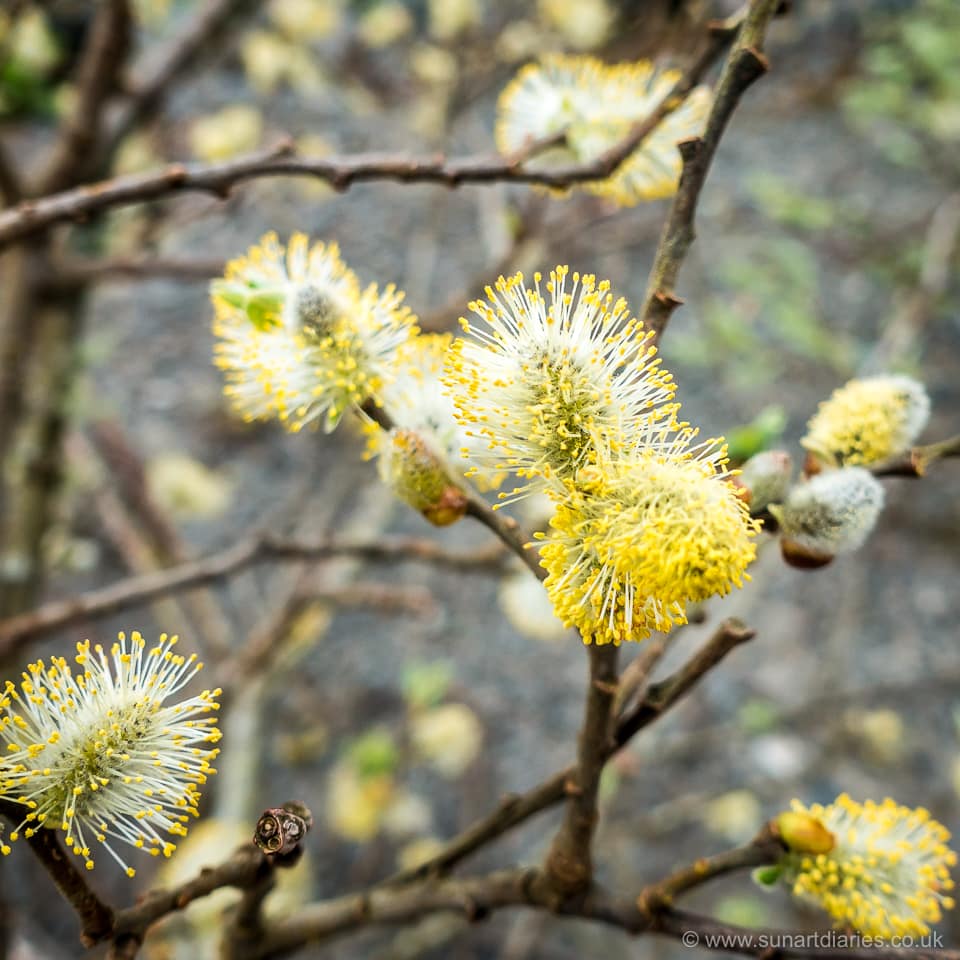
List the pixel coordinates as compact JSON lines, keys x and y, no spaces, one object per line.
{"x":594,"y":106}
{"x":640,"y":535}
{"x":296,"y":336}
{"x":866,"y":421}
{"x":887,"y":874}
{"x":546,"y":368}
{"x":96,"y":751}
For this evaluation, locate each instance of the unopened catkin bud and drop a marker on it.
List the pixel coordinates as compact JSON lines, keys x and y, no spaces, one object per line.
{"x":803,"y":833}
{"x":832,"y":513}
{"x":866,"y":421}
{"x":765,"y":479}
{"x":420,"y":478}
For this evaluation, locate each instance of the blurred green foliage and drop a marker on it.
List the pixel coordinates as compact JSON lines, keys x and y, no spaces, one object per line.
{"x":907,"y":95}
{"x":29,"y":53}
{"x":374,"y":753}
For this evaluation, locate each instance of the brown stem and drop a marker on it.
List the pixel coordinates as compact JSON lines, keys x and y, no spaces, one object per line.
{"x":745,"y":64}
{"x":568,"y":868}
{"x":765,"y":848}
{"x":517,"y":809}
{"x":96,"y":918}
{"x":17,"y":631}
{"x":242,"y":870}
{"x":915,"y":462}
{"x":73,"y":156}
{"x":342,"y":172}
{"x":11,"y":189}
{"x":661,"y":696}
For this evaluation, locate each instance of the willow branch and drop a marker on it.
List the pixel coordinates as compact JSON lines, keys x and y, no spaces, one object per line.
{"x":745,"y":64}
{"x":765,"y":848}
{"x":96,"y":918}
{"x":916,"y":462}
{"x":73,"y":269}
{"x":16,"y":631}
{"x":343,"y":172}
{"x":476,"y":898}
{"x":11,"y":189}
{"x":242,"y":870}
{"x":569,"y":864}
{"x":103,"y":59}
{"x":519,"y":808}
{"x":499,"y":524}
{"x":661,"y":696}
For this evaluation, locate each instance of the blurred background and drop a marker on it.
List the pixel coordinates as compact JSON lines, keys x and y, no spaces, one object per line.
{"x":398,"y":701}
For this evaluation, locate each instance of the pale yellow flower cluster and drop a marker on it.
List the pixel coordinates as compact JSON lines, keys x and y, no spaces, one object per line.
{"x":297,"y":336}
{"x":593,"y":106}
{"x":881,"y":868}
{"x":566,"y":391}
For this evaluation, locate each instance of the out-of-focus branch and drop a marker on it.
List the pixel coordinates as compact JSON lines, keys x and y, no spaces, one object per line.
{"x":96,"y":918}
{"x":342,"y":172}
{"x":133,"y":591}
{"x":11,"y":188}
{"x":568,"y":868}
{"x":153,"y":80}
{"x":660,"y":697}
{"x":916,"y":462}
{"x":745,"y":64}
{"x":514,"y":810}
{"x":74,"y":153}
{"x":242,"y":870}
{"x":916,"y":309}
{"x":74,"y":270}
{"x":765,"y":848}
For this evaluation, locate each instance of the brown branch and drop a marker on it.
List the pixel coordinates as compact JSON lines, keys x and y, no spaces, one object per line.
{"x":916,"y":462}
{"x":475,"y":898}
{"x":77,"y":270}
{"x":502,"y":526}
{"x":745,"y":64}
{"x":11,"y":189}
{"x":765,"y":848}
{"x":568,"y":868}
{"x":242,"y":870}
{"x":507,"y":529}
{"x":516,"y":809}
{"x":660,"y":697}
{"x":15,"y":632}
{"x":96,"y":918}
{"x":74,"y":152}
{"x":342,"y":172}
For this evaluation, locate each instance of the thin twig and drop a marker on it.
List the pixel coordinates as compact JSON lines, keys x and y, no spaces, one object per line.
{"x":96,"y":918}
{"x":11,"y":189}
{"x":342,"y":172}
{"x":516,"y":809}
{"x":661,"y":696}
{"x":73,"y":155}
{"x":133,"y":591}
{"x":765,"y":848}
{"x":501,"y":525}
{"x":745,"y":64}
{"x":568,"y":868}
{"x":916,"y":462}
{"x":75,"y":269}
{"x":241,"y":870}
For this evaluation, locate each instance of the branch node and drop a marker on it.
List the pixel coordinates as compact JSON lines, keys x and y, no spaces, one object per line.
{"x":571,"y":788}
